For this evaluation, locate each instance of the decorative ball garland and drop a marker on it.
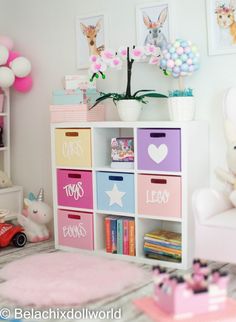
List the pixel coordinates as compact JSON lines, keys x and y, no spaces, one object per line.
{"x":14,"y":68}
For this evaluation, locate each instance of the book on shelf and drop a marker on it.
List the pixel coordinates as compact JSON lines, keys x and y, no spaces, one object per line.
{"x":163,"y":245}
{"x":108,"y":234}
{"x":126,"y":236}
{"x":120,"y":235}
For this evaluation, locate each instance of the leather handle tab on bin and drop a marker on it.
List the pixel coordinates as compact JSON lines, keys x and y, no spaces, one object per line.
{"x":72,"y":216}
{"x":74,"y":175}
{"x":159,"y":181}
{"x":116,"y":178}
{"x":71,"y":133}
{"x":157,"y":135}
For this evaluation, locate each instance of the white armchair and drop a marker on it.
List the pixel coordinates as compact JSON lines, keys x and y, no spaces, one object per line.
{"x":215,"y":226}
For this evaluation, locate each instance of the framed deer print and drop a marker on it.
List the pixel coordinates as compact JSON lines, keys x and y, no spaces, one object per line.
{"x":153,"y":24}
{"x":221,"y":24}
{"x":90,"y":37}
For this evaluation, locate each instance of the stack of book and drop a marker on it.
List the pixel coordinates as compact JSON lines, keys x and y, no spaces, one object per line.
{"x":163,"y":245}
{"x":120,"y":235}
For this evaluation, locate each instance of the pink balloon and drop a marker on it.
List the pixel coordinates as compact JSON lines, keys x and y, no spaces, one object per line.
{"x":7,"y":42}
{"x":24,"y":84}
{"x":12,"y":55}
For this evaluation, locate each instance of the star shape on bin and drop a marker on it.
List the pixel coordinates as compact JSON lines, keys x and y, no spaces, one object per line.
{"x":115,"y":196}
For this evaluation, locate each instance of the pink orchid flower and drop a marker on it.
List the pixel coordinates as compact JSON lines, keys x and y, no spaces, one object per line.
{"x":137,"y":53}
{"x":154,"y":60}
{"x":107,"y":55}
{"x":94,"y":58}
{"x":151,"y":50}
{"x":116,"y":62}
{"x":98,"y":66}
{"x":122,"y":51}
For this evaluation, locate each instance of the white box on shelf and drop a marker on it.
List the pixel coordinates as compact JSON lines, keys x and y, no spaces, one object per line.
{"x":12,"y":199}
{"x":72,"y":82}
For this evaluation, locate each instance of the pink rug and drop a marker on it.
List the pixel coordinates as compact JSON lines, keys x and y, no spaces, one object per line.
{"x":66,"y":279}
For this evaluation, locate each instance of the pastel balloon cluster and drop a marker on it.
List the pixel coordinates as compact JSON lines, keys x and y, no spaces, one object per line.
{"x":180,"y":58}
{"x":14,"y":68}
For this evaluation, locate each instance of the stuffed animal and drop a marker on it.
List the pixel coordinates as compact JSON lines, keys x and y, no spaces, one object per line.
{"x":5,"y":181}
{"x":229,"y":177}
{"x":36,"y":216}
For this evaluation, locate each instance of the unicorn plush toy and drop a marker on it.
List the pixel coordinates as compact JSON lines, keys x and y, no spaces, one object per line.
{"x":35,"y":217}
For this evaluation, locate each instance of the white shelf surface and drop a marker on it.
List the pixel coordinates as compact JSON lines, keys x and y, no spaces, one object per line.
{"x":73,"y":168}
{"x":3,"y":114}
{"x":109,"y":169}
{"x":75,"y":209}
{"x":5,"y":148}
{"x":114,"y":213}
{"x":174,"y":219}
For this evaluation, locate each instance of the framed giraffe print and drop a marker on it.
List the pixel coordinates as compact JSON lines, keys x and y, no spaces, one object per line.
{"x":90,"y":37}
{"x":221,"y":21}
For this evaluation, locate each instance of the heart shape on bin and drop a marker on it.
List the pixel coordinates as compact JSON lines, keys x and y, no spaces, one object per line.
{"x":158,"y":154}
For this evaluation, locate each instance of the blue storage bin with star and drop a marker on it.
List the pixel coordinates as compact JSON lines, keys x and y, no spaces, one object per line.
{"x":115,"y":192}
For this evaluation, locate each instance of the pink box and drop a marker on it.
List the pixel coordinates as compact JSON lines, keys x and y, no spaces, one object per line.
{"x":75,"y":188}
{"x":75,"y":229}
{"x":76,"y":113}
{"x":159,"y":195}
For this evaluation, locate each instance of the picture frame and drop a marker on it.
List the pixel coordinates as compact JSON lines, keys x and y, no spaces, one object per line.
{"x":153,"y":23}
{"x":91,"y":37}
{"x":220,"y":16}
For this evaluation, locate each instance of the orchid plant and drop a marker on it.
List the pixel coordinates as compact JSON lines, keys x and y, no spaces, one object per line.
{"x":115,"y":60}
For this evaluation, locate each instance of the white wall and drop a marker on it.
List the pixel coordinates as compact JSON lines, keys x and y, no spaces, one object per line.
{"x":44,"y":31}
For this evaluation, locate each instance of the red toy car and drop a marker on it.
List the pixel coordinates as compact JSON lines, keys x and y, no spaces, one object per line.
{"x":10,"y":233}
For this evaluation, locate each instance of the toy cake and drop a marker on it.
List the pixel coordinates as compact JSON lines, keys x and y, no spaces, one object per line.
{"x":182,"y":297}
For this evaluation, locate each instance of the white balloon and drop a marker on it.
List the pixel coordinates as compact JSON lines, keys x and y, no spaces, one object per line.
{"x":4,"y":54}
{"x":7,"y":77}
{"x":21,"y":66}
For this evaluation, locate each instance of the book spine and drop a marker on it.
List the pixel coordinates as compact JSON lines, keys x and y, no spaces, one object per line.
{"x":126,"y":237}
{"x":120,"y":236}
{"x":108,"y":234}
{"x":114,"y":236}
{"x":131,"y":238}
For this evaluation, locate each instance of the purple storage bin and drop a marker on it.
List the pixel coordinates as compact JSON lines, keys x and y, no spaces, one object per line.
{"x":159,"y":149}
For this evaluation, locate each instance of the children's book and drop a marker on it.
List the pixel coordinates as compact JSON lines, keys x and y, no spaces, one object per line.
{"x":131,"y":237}
{"x":126,"y":236}
{"x":120,"y":236}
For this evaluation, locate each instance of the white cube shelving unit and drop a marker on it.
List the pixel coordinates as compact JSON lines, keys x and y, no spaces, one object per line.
{"x":10,"y":198}
{"x":193,"y":174}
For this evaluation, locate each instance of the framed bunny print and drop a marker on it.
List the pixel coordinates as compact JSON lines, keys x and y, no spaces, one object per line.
{"x":153,"y":24}
{"x":221,"y":22}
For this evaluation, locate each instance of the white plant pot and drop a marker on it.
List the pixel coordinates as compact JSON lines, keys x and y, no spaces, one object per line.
{"x":129,"y":110}
{"x":181,"y":108}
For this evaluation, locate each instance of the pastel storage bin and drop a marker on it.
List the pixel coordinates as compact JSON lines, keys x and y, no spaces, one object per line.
{"x":67,"y":97}
{"x":115,"y":191}
{"x":90,"y":96}
{"x":75,"y":188}
{"x":159,"y":195}
{"x":75,"y":229}
{"x":159,"y":149}
{"x":76,"y":113}
{"x":73,"y":147}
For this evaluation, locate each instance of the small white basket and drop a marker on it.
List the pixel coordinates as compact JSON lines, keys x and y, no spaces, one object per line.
{"x":181,"y":108}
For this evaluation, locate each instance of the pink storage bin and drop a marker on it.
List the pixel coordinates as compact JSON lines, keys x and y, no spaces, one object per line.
{"x":75,"y":229}
{"x":159,"y":195}
{"x":75,"y":188}
{"x":76,"y":113}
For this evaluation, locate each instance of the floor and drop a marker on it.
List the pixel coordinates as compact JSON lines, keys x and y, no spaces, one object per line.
{"x":124,"y":300}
